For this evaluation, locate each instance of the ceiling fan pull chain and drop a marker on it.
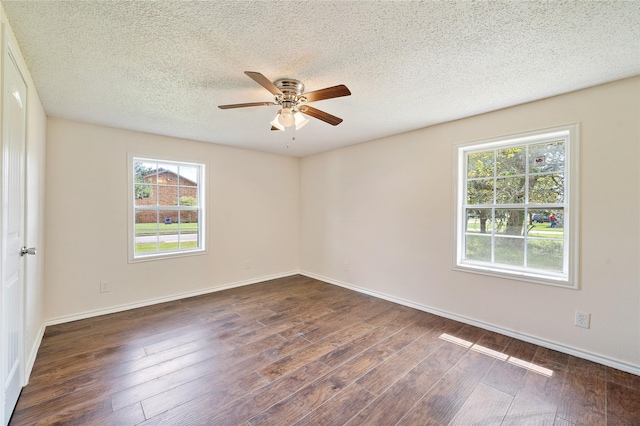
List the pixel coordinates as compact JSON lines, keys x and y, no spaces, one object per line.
{"x":293,"y":137}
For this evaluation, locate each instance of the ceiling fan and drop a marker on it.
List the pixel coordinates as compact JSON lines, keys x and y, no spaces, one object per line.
{"x":289,"y":94}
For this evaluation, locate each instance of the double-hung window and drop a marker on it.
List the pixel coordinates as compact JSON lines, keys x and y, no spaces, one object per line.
{"x":517,"y":207}
{"x":167,"y":208}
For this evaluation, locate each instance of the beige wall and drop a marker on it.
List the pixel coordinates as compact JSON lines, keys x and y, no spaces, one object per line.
{"x":253,"y":215}
{"x":386,"y":207}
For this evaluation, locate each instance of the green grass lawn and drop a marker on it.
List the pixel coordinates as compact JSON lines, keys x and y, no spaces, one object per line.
{"x":535,"y":230}
{"x":153,"y":247}
{"x":152,"y":228}
{"x":543,"y":251}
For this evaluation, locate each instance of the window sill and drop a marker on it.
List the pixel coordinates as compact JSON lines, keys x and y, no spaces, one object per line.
{"x":530,"y":277}
{"x":162,"y":256}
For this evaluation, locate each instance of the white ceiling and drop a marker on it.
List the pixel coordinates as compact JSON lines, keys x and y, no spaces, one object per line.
{"x":163,"y":67}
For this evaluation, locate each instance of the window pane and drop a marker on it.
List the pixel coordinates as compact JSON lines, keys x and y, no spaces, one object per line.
{"x":168,"y":242}
{"x":167,"y":195}
{"x":510,"y":161}
{"x":167,"y":174}
{"x":189,"y":242}
{"x":545,"y":254}
{"x":146,"y":231}
{"x":544,"y":189}
{"x":188,"y":196}
{"x":188,"y":176}
{"x":143,"y":169}
{"x":144,"y":180}
{"x":479,"y":221}
{"x":480,"y":191}
{"x":480,"y":164}
{"x":189,"y":230}
{"x":146,"y":219}
{"x":510,"y":222}
{"x":557,"y":221}
{"x":546,"y":157}
{"x":168,"y":230}
{"x":478,"y":247}
{"x":145,"y":195}
{"x":540,"y":224}
{"x":146,"y":244}
{"x":188,"y":219}
{"x":538,"y":216}
{"x":168,"y":220}
{"x":509,"y":251}
{"x":510,"y":190}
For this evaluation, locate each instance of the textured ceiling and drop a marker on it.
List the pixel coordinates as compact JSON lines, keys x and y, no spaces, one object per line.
{"x":163,"y":67}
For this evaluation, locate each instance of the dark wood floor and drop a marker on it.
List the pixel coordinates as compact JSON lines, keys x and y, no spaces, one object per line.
{"x":299,"y":351}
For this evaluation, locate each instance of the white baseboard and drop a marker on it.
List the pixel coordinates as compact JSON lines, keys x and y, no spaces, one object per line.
{"x":128,"y":306}
{"x":30,"y":361}
{"x":629,"y":368}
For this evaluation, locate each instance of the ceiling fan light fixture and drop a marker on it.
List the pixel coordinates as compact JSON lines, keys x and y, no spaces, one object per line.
{"x":275,"y":123}
{"x":286,"y":118}
{"x":300,"y":120}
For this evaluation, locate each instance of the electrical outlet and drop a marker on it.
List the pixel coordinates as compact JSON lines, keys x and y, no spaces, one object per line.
{"x":346,"y":266}
{"x":247,"y":265}
{"x":582,"y":319}
{"x":104,"y":287}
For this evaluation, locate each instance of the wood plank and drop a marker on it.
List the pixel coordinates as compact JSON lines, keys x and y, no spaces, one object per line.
{"x":536,"y":402}
{"x":292,"y":362}
{"x":623,"y":405}
{"x":338,"y":410}
{"x":380,"y":378}
{"x":622,"y":378}
{"x":583,"y":399}
{"x":441,"y":403}
{"x":486,"y":406}
{"x":353,"y":347}
{"x":394,"y":403}
{"x":509,"y":377}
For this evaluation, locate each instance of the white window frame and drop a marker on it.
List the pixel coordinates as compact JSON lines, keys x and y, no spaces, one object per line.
{"x":201,"y":208}
{"x":569,"y":278}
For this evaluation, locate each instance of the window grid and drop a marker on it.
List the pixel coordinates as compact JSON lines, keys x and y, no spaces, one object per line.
{"x":558,"y":242}
{"x":167,"y":217}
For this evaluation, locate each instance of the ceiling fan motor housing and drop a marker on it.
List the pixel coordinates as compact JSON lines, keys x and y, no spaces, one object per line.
{"x":292,"y":91}
{"x":289,"y":86}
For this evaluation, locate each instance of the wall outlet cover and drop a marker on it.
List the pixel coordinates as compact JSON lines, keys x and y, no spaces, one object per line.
{"x":582,"y":319}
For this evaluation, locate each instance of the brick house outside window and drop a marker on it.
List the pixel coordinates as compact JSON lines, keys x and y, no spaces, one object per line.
{"x":169,"y":189}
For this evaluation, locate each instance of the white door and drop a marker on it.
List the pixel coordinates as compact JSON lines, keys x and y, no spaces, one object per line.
{"x":14,"y":97}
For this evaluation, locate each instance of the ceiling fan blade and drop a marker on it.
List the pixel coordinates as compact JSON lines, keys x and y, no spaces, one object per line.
{"x":250,"y":104}
{"x":320,"y":115}
{"x":264,"y":82}
{"x":328,"y":93}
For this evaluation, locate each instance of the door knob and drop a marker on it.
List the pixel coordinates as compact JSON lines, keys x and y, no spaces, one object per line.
{"x":30,"y":250}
